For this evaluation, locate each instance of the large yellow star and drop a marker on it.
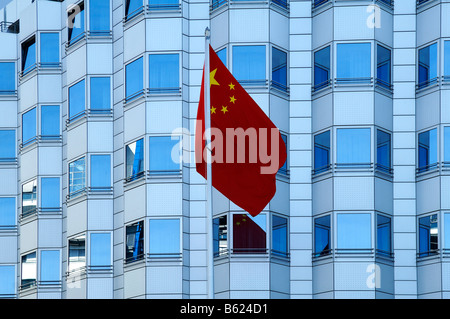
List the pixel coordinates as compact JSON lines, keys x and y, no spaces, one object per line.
{"x":213,"y":110}
{"x":212,"y":80}
{"x":231,"y":85}
{"x":224,"y":109}
{"x":232,"y":99}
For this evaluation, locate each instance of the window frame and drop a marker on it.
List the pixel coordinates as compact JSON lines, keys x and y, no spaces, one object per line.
{"x":99,"y":189}
{"x":430,"y":81}
{"x":127,"y":16}
{"x":430,"y":167}
{"x":156,"y":173}
{"x":31,"y":282}
{"x":43,"y":137}
{"x":140,"y":174}
{"x":77,"y":237}
{"x":250,"y":83}
{"x":163,"y":90}
{"x":107,"y":267}
{"x":325,"y":252}
{"x":41,"y":192}
{"x":250,"y":250}
{"x":135,"y":96}
{"x":49,"y":65}
{"x":180,"y":242}
{"x":71,"y":195}
{"x":378,"y":251}
{"x":354,"y":80}
{"x":10,"y":159}
{"x":274,"y":84}
{"x":328,"y":167}
{"x":80,"y":114}
{"x":352,"y":166}
{"x":379,"y":82}
{"x":13,"y":213}
{"x":39,"y":264}
{"x":34,"y":138}
{"x":34,"y":195}
{"x":138,"y":257}
{"x":354,"y":250}
{"x":430,"y":252}
{"x":25,"y":46}
{"x":380,"y":167}
{"x":326,"y":84}
{"x":12,"y":92}
{"x":88,"y":18}
{"x":14,"y":266}
{"x":221,"y":252}
{"x":273,"y":252}
{"x":89,"y":90}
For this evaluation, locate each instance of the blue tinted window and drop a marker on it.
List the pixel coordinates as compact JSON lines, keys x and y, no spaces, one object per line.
{"x":50,"y":265}
{"x":279,"y":236}
{"x":49,"y":49}
{"x":447,"y":145}
{"x":163,"y":4}
{"x":222,"y":54}
{"x":321,"y":68}
{"x":50,"y":193}
{"x":7,"y":78}
{"x":164,"y":73}
{"x":28,"y":55}
{"x":428,"y":235}
{"x":7,"y":212}
{"x":383,"y":150}
{"x":134,"y":242}
{"x":100,"y":172}
{"x":135,"y":160}
{"x":284,"y":168}
{"x":353,"y":147}
{"x":220,"y":235}
{"x":29,"y":198}
{"x":164,"y":155}
{"x":133,"y":8}
{"x":353,"y":62}
{"x":447,"y":232}
{"x":279,"y":69}
{"x":322,"y":152}
{"x":322,"y":231}
{"x":100,"y":93}
{"x":50,"y":121}
{"x":100,"y":253}
{"x":99,"y":17}
{"x":249,"y":64}
{"x":427,"y":150}
{"x":383,"y":235}
{"x":383,"y":66}
{"x":7,"y":145}
{"x":77,"y":177}
{"x":446,"y":60}
{"x":7,"y":280}
{"x":29,"y":126}
{"x":134,"y":85}
{"x":427,"y":65}
{"x":76,"y":23}
{"x":77,"y":100}
{"x":353,"y":231}
{"x":164,"y":237}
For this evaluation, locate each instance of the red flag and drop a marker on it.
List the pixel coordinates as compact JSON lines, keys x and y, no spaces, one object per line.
{"x":247,"y":148}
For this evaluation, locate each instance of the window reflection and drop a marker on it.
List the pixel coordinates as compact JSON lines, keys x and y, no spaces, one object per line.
{"x":77,"y":177}
{"x":427,"y":66}
{"x":77,"y":100}
{"x":50,"y":194}
{"x":164,"y":238}
{"x":100,"y":94}
{"x":77,"y":253}
{"x":322,"y":152}
{"x":29,"y":270}
{"x":164,"y":72}
{"x":133,"y":8}
{"x":99,"y":17}
{"x":249,"y":64}
{"x":134,"y":242}
{"x":100,"y":172}
{"x":7,"y":145}
{"x":7,"y":281}
{"x":322,"y":231}
{"x":428,"y":235}
{"x":353,"y":232}
{"x":220,"y":236}
{"x":135,"y":160}
{"x":7,"y":212}
{"x":427,"y":150}
{"x":249,"y":234}
{"x":29,"y":127}
{"x":50,"y":122}
{"x":383,"y":67}
{"x":279,"y":69}
{"x":279,"y":236}
{"x":76,"y":24}
{"x":165,"y":154}
{"x":7,"y":78}
{"x":28,"y":55}
{"x":321,"y":68}
{"x":383,"y":235}
{"x":354,"y":62}
{"x":163,"y":4}
{"x":50,"y":266}
{"x":134,"y":79}
{"x":353,"y":147}
{"x":383,"y":151}
{"x":29,"y":198}
{"x":100,"y":250}
{"x":447,"y":146}
{"x":49,"y":50}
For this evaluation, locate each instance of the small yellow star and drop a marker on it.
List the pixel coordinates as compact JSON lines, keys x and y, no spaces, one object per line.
{"x":224,"y":109}
{"x":231,"y":85}
{"x":213,"y":110}
{"x":212,"y":80}
{"x":232,"y":99}
{"x":238,"y":223}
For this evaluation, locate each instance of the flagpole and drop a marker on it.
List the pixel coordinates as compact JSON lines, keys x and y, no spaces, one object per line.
{"x":209,"y":211}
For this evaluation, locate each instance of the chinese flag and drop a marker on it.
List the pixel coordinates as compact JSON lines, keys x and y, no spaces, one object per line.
{"x":247,"y":148}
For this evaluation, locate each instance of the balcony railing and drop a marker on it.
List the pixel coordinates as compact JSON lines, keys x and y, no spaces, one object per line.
{"x":215,"y":4}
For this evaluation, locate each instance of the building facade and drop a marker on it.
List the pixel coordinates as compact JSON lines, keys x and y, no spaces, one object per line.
{"x":99,"y":195}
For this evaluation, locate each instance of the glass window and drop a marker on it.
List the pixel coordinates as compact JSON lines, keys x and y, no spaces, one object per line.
{"x":7,"y":280}
{"x":383,"y":67}
{"x":353,"y":232}
{"x":322,"y":231}
{"x":100,"y":94}
{"x":446,"y":60}
{"x":284,"y":169}
{"x":353,"y":62}
{"x":133,"y":8}
{"x":100,"y":172}
{"x":164,"y":238}
{"x":427,"y":150}
{"x":322,"y":152}
{"x":428,"y":235}
{"x":279,"y":69}
{"x":322,"y":68}
{"x":77,"y":253}
{"x":29,"y":127}
{"x":29,"y":270}
{"x":222,"y":54}
{"x":7,"y":145}
{"x":427,"y":65}
{"x":7,"y":78}
{"x":164,"y":71}
{"x":100,"y":252}
{"x":7,"y":212}
{"x":50,"y":122}
{"x":99,"y":17}
{"x":49,"y":49}
{"x":353,"y":147}
{"x":134,"y":242}
{"x":135,"y":160}
{"x":447,"y":233}
{"x":383,"y":235}
{"x":249,"y":64}
{"x":279,"y":236}
{"x":50,"y":193}
{"x":165,"y":152}
{"x":447,"y":145}
{"x":163,"y":4}
{"x":28,"y":55}
{"x":249,"y":234}
{"x":77,"y":100}
{"x":50,"y":266}
{"x":383,"y":151}
{"x":77,"y":177}
{"x":76,"y":23}
{"x":134,"y":81}
{"x":220,"y":236}
{"x":29,"y":198}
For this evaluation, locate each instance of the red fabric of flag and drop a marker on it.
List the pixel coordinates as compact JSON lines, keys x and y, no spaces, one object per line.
{"x":247,"y":148}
